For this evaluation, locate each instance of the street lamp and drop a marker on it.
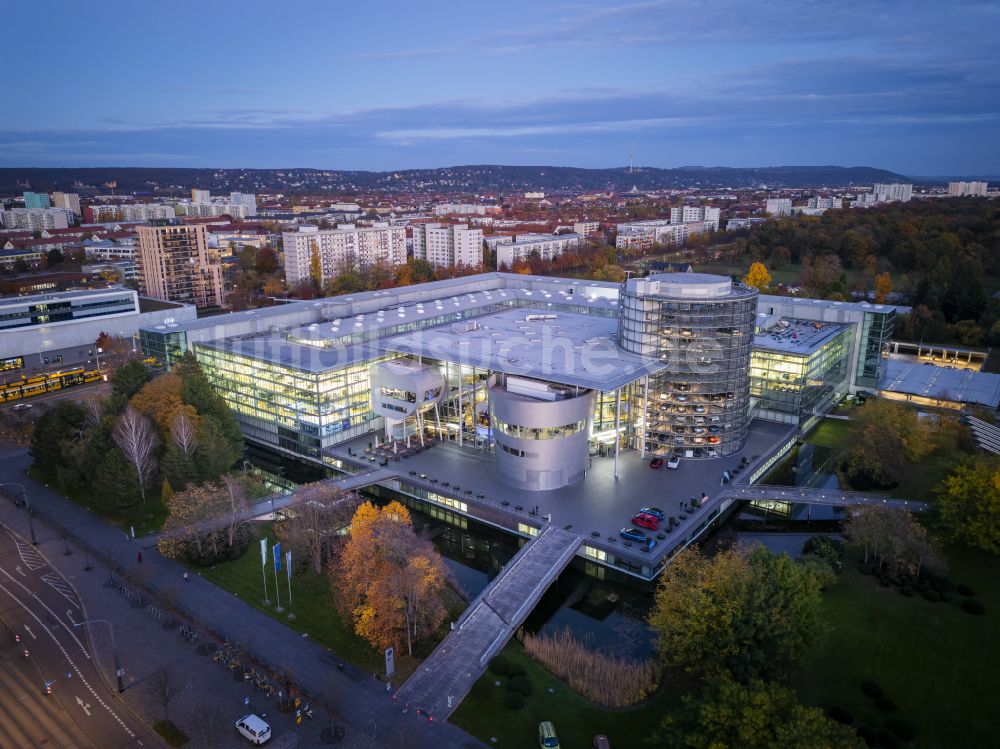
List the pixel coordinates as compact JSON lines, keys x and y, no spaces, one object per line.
{"x":27,"y":505}
{"x":119,"y":671}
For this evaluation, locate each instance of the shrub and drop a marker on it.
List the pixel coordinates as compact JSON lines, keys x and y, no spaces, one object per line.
{"x":840,"y":715}
{"x":943,"y":584}
{"x":170,"y":733}
{"x":513,"y":700}
{"x":872,"y":689}
{"x":516,"y":669}
{"x":482,"y":689}
{"x":606,"y":679}
{"x":965,"y":590}
{"x":500,"y":665}
{"x":824,"y":547}
{"x":908,"y":592}
{"x":886,"y":705}
{"x":932,"y":595}
{"x":974,"y":607}
{"x":902,"y":728}
{"x":887,"y":739}
{"x":521,"y":684}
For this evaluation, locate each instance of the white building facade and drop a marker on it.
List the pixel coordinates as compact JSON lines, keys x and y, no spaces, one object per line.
{"x":547,"y":247}
{"x":962,"y":189}
{"x":448,"y":246}
{"x":778,"y":207}
{"x":343,"y":249}
{"x":36,"y":219}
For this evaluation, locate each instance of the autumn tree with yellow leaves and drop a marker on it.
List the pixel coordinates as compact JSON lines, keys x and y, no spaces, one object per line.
{"x":758,"y":277}
{"x":391,"y":583}
{"x":883,"y":287}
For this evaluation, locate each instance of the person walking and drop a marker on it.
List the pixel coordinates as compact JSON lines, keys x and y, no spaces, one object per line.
{"x":139,"y":557}
{"x":185,"y":577}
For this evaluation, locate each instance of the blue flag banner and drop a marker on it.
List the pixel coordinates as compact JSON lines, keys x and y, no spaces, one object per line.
{"x":277,"y":556}
{"x":288,"y":563}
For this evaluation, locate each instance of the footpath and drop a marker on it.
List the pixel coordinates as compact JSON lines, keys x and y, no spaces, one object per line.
{"x":355,"y":699}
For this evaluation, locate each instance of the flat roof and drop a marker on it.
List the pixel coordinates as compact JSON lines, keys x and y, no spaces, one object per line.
{"x":827,"y":304}
{"x":62,"y":296}
{"x":796,"y":336}
{"x":941,"y":383}
{"x":552,"y":345}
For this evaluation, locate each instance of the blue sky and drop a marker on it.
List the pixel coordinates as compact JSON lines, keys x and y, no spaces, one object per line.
{"x":910,"y":86}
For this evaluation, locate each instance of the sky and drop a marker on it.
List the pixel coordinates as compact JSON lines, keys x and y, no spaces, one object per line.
{"x":909,"y":85}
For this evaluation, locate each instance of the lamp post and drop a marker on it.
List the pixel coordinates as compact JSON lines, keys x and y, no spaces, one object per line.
{"x":27,"y":505}
{"x":119,"y":671}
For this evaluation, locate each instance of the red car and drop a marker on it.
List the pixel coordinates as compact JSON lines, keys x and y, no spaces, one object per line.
{"x":656,"y":463}
{"x":644,"y":520}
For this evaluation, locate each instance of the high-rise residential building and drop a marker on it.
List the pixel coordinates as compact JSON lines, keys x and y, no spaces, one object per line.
{"x":691,"y":213}
{"x":36,"y":200}
{"x":201,"y":196}
{"x":586,"y":228}
{"x":68,"y":200}
{"x":236,"y":210}
{"x":546,"y":246}
{"x":960,"y":189}
{"x":36,"y":219}
{"x":244,"y":198}
{"x":447,"y":246}
{"x":447,"y":209}
{"x":825,"y":203}
{"x":346,"y":248}
{"x":176,"y":264}
{"x":98,"y":214}
{"x":778,"y":207}
{"x":886,"y":193}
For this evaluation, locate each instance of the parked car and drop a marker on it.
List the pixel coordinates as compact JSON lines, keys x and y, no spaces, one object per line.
{"x":646,"y":521}
{"x":711,"y":452}
{"x":656,"y":463}
{"x":713,"y":440}
{"x":254,"y":729}
{"x":698,"y":430}
{"x":713,"y":428}
{"x":674,"y":462}
{"x":601,"y":742}
{"x":680,"y":398}
{"x":656,"y":512}
{"x":631,"y":534}
{"x":699,"y":409}
{"x":547,"y":735}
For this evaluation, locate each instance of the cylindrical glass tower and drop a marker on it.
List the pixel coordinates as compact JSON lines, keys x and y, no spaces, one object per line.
{"x":701,"y":327}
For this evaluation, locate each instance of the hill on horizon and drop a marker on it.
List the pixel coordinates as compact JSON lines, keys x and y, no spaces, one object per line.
{"x":445,"y":180}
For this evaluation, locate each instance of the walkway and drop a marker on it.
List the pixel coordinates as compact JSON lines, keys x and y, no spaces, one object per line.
{"x":831,"y":497}
{"x":359,"y":699}
{"x":441,"y":682}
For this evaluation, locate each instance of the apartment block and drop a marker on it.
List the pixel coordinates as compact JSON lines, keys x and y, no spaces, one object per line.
{"x":778,"y":207}
{"x":693,"y":213}
{"x":68,"y":200}
{"x":99,"y":214}
{"x":586,"y":228}
{"x":36,"y":200}
{"x":36,"y":219}
{"x":459,"y":209}
{"x":447,"y":246}
{"x":887,"y":193}
{"x":176,"y":264}
{"x":962,"y":189}
{"x":825,"y":203}
{"x":343,"y":249}
{"x":546,"y":246}
{"x":201,"y":196}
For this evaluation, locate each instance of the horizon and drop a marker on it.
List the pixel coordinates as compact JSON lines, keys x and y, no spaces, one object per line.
{"x":912,"y":88}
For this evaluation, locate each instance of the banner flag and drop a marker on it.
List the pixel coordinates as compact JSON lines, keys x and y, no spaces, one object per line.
{"x":288,"y":563}
{"x":263,"y":552}
{"x":277,"y":556}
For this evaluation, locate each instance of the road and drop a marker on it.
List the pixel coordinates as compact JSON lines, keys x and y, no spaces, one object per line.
{"x":40,"y":606}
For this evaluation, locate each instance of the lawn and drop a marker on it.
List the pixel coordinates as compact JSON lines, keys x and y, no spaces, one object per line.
{"x":313,"y":606}
{"x":936,"y":662}
{"x":577,"y":720}
{"x":832,"y":433}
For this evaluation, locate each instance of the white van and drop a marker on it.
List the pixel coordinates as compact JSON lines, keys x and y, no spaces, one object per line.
{"x":253,"y":728}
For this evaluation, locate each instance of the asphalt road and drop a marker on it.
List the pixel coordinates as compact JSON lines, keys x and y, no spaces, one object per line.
{"x":39,"y":605}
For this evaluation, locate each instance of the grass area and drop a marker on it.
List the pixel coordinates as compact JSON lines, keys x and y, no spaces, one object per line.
{"x":576,"y":719}
{"x":146,"y":517}
{"x":832,"y":433}
{"x":170,"y":733}
{"x":936,"y":662}
{"x":312,"y":604}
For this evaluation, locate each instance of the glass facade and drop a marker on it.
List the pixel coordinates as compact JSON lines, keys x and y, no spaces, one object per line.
{"x":876,"y":331}
{"x":798,"y":388}
{"x":698,"y":406}
{"x":290,"y":408}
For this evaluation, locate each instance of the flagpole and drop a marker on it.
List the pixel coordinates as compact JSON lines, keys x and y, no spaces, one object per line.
{"x":288,"y":572}
{"x":277,"y":595}
{"x":263,"y":568}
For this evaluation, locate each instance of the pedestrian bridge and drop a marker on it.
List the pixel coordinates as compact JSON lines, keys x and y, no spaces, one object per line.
{"x":442,"y":680}
{"x":832,"y":497}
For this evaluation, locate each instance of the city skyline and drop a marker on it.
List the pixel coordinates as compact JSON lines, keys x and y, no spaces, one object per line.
{"x":908,"y":87}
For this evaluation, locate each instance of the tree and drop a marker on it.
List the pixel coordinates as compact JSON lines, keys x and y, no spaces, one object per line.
{"x":266,"y":262}
{"x":743,"y":614}
{"x":311,"y":529}
{"x":165,"y":687}
{"x":757,"y":715}
{"x":54,"y":442}
{"x":205,"y":524}
{"x":135,"y":437}
{"x":758,"y":277}
{"x":160,"y":399}
{"x":129,"y":379}
{"x":183,"y":433}
{"x":53,"y":257}
{"x":885,"y":438}
{"x":114,"y":484}
{"x":891,"y":536}
{"x":315,"y":266}
{"x":970,"y":503}
{"x":883,"y":287}
{"x":390,"y":582}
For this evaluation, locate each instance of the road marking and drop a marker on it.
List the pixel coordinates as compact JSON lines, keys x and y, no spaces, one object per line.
{"x":45,"y":606}
{"x":59,"y":645}
{"x":69,"y":615}
{"x":30,"y":632}
{"x":20,"y":571}
{"x":31,"y":558}
{"x":61,"y":587}
{"x":84,"y":705}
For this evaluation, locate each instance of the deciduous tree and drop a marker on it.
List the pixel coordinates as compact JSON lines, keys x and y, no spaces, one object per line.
{"x":883,"y":287}
{"x":890,"y":536}
{"x":970,"y":504}
{"x":313,"y":525}
{"x":758,"y":277}
{"x":135,"y":437}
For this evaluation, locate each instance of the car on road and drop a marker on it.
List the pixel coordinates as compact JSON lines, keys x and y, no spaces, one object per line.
{"x":656,"y":463}
{"x":631,"y":534}
{"x":646,"y":521}
{"x":674,"y":462}
{"x":547,"y":738}
{"x":656,"y":512}
{"x":254,"y":729}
